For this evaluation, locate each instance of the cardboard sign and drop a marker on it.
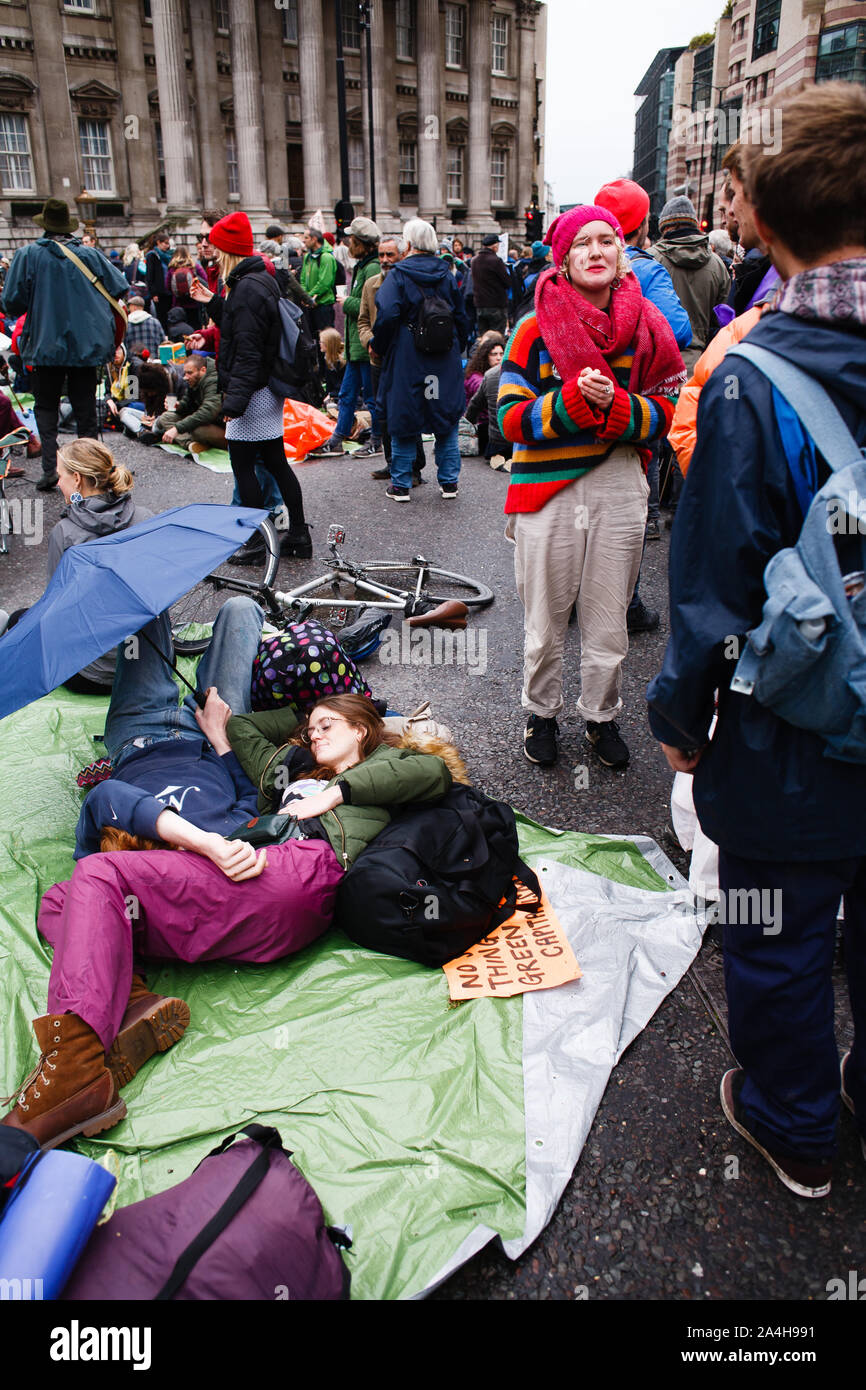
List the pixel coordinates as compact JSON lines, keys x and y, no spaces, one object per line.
{"x":529,"y":951}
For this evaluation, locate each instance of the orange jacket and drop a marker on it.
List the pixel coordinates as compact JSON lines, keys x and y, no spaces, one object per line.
{"x":684,"y":429}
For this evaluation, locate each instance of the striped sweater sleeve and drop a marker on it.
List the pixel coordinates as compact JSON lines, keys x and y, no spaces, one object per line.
{"x":636,"y":419}
{"x":529,"y":415}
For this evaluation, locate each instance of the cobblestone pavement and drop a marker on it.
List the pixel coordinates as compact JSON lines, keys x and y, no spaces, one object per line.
{"x":652,"y":1210}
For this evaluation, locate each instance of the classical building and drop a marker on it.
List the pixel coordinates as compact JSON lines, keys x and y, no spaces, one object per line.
{"x":152,"y":108}
{"x":724,"y":86}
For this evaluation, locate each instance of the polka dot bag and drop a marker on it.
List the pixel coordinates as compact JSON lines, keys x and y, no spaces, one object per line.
{"x":302,"y":665}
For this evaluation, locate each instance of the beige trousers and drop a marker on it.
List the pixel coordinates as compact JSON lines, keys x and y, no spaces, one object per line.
{"x":584,"y":546}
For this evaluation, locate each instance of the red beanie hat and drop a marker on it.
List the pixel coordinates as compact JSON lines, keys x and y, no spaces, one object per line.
{"x":233,"y":234}
{"x":626,"y":200}
{"x":562,"y":231}
{"x":329,"y":238}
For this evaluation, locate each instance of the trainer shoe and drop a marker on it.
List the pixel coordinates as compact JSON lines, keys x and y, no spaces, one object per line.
{"x":539,"y":740}
{"x":297,"y":544}
{"x":642,"y":619}
{"x":605,"y":739}
{"x":653,"y":529}
{"x":331,"y":449}
{"x":804,"y":1177}
{"x":398,"y":494}
{"x":448,"y":491}
{"x":252,"y":552}
{"x":846,"y":1099}
{"x":369,"y":451}
{"x":381,"y":474}
{"x":148,"y":437}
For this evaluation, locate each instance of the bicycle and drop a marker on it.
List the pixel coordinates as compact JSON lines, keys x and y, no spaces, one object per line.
{"x":7,"y":444}
{"x":405,"y":587}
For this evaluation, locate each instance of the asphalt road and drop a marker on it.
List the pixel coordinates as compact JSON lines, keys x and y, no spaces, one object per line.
{"x":651,"y":1211}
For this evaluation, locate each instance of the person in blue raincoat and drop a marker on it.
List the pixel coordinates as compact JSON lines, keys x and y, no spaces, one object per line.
{"x":423,"y":391}
{"x":68,"y":334}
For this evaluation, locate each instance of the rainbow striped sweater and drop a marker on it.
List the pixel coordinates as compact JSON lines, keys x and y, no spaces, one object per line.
{"x":557,"y":435}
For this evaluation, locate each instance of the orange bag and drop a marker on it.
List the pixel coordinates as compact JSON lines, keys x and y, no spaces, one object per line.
{"x":304,"y":428}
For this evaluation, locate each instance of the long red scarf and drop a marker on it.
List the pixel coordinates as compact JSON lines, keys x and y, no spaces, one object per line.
{"x":578,"y":335}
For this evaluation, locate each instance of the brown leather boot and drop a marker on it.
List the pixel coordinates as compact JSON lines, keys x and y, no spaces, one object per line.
{"x":152,"y":1023}
{"x":70,"y":1091}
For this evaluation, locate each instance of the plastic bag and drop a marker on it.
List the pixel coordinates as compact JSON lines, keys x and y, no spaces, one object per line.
{"x":304,"y":428}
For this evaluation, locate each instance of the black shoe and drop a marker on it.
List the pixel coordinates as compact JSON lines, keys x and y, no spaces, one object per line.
{"x":805,"y":1177}
{"x":148,"y":437}
{"x":47,"y":482}
{"x":381,"y":475}
{"x":608,"y":745}
{"x":642,"y":619}
{"x":417,"y":480}
{"x":252,"y":552}
{"x":298,"y":544}
{"x":398,"y":494}
{"x":653,"y":529}
{"x":539,"y":740}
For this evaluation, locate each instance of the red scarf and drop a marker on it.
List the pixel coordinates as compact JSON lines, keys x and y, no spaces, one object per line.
{"x":578,"y":335}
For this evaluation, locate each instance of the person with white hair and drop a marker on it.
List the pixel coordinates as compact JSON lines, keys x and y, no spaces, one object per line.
{"x":420,"y":332}
{"x":721,"y":243}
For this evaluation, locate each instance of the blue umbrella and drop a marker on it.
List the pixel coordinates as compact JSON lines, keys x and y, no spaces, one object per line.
{"x":107,"y":588}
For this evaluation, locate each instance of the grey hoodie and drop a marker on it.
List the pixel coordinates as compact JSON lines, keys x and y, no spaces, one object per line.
{"x":100,"y":515}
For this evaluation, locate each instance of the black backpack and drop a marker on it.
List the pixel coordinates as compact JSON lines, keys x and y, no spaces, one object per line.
{"x":295,"y":371}
{"x":432,"y":882}
{"x":433,"y":326}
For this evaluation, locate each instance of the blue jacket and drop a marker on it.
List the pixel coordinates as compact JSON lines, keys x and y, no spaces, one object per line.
{"x":422,"y":393}
{"x":69,"y":323}
{"x":763,"y":788}
{"x":657,"y":286}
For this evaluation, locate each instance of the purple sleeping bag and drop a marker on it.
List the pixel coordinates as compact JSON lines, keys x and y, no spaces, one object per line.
{"x":244,"y":1225}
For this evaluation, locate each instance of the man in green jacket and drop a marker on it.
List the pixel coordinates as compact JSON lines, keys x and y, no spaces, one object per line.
{"x":318,"y":277}
{"x":363,"y":240}
{"x":198,"y":418}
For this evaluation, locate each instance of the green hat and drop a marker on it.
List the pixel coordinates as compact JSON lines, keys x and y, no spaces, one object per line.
{"x":54,"y":217}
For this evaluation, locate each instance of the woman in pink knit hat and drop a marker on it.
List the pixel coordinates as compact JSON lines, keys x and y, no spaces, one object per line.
{"x":585,"y":388}
{"x":249,"y":323}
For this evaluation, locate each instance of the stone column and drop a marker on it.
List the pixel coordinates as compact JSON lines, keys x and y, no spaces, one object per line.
{"x":247,"y":93}
{"x":211,"y":146}
{"x":431,"y":114}
{"x":311,"y":64}
{"x":132,"y":81}
{"x":175,"y":110}
{"x":526,"y":13}
{"x":274,"y":109}
{"x":53,"y":114}
{"x":479,"y":216}
{"x":384,"y":124}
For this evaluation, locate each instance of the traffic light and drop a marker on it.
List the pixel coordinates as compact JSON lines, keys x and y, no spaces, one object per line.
{"x":344,"y":213}
{"x":705,"y":226}
{"x":534,"y":223}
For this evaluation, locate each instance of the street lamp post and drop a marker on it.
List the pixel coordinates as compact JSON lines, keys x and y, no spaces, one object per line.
{"x":365,"y":21}
{"x":341,"y":105}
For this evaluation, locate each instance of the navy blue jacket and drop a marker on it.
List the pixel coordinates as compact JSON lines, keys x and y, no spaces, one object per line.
{"x":763,"y":788}
{"x":422,"y":392}
{"x":183,"y":775}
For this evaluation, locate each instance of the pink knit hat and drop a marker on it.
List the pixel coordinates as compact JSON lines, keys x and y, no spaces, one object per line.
{"x":563,"y":229}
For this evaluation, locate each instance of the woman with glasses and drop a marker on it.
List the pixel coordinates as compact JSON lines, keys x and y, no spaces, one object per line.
{"x":221,"y":899}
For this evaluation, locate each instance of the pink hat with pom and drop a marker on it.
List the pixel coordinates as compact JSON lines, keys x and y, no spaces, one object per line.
{"x":563,"y":229}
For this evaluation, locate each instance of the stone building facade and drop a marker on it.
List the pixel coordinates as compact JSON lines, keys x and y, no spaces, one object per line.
{"x":155,"y":108}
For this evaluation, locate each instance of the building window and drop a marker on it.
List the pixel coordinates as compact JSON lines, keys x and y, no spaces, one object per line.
{"x":160,"y":158}
{"x":702,"y":78}
{"x":455,"y":36}
{"x":95,"y":145}
{"x":234,"y":182}
{"x":405,"y":47}
{"x":81,"y":6}
{"x":351,"y":28}
{"x":148,"y":17}
{"x":456,"y":162}
{"x":222,"y":15}
{"x":498,"y":175}
{"x":499,"y":41}
{"x":290,"y":21}
{"x":16,"y":169}
{"x":356,"y":167}
{"x":842,"y":54}
{"x":408,"y":169}
{"x":766,"y":38}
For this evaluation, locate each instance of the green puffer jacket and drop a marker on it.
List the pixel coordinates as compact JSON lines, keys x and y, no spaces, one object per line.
{"x":389,"y":777}
{"x":319,"y":275}
{"x":364,"y":271}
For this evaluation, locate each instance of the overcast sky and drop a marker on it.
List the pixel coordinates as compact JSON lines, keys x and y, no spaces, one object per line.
{"x":596,"y":56}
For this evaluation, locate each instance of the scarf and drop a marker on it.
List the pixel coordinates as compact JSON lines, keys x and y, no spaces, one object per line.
{"x":578,"y":335}
{"x":833,"y":293}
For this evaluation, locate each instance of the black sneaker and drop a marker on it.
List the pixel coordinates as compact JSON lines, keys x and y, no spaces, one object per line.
{"x":369,"y":451}
{"x":298,"y":544}
{"x":148,"y":437}
{"x":252,"y":552}
{"x":608,"y":745}
{"x":331,"y":449}
{"x":642,"y":619}
{"x":47,"y":482}
{"x":653,"y":529}
{"x":381,"y":474}
{"x":398,"y":494}
{"x":539,"y":740}
{"x":418,"y":481}
{"x":804,"y":1177}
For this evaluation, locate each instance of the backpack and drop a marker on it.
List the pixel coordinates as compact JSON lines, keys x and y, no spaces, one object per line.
{"x":433,"y":326}
{"x":296,"y":367}
{"x":341,"y":273}
{"x":432,"y":883}
{"x":806,"y":661}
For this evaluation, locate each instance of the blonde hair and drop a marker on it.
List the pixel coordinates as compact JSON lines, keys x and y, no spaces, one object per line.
{"x":181,"y":259}
{"x":227,"y":262}
{"x":331,"y":343}
{"x":132,"y":253}
{"x":95,"y":463}
{"x":623,"y":263}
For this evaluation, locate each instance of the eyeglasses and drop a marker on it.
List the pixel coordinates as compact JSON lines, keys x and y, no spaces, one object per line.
{"x":321,"y":728}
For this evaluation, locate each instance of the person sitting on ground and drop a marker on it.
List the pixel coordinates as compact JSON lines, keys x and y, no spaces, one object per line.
{"x":198,"y":417}
{"x":144,"y":330}
{"x":488,"y":353}
{"x":334,"y":358}
{"x":495,"y":448}
{"x":220,"y":900}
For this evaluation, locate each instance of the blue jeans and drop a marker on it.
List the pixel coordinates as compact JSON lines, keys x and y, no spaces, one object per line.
{"x":144,"y":706}
{"x":447,"y":455}
{"x":272,"y":498}
{"x":358,"y":377}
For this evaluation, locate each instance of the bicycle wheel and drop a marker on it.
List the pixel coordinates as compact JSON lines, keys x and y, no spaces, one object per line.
{"x":439,"y":585}
{"x":198,"y":608}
